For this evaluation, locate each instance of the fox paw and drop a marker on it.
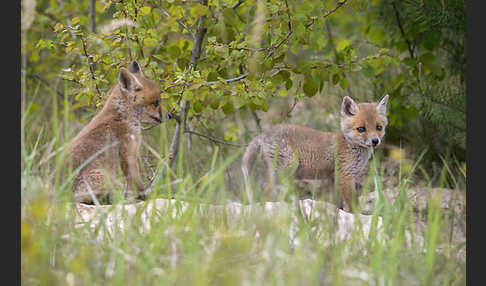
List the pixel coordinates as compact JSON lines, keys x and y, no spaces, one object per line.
{"x":129,"y":196}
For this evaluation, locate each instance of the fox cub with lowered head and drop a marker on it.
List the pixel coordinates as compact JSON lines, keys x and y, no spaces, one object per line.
{"x":113,"y":137}
{"x":362,"y":129}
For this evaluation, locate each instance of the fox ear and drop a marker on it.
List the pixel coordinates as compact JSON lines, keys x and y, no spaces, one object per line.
{"x":348,"y":107}
{"x":381,"y":105}
{"x":134,"y":68}
{"x":127,"y":81}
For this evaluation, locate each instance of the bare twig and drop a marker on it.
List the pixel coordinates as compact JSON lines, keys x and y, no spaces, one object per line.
{"x":198,"y":118}
{"x":178,"y":21}
{"x":287,"y":115}
{"x":228,"y":80}
{"x":410,"y":48}
{"x":257,"y":120}
{"x":45,"y":82}
{"x":215,"y":140}
{"x":92,"y":15}
{"x":339,"y":4}
{"x":209,"y":82}
{"x":181,"y":95}
{"x":402,"y":31}
{"x":91,"y":66}
{"x":264,"y":49}
{"x":236,"y":5}
{"x":286,"y":38}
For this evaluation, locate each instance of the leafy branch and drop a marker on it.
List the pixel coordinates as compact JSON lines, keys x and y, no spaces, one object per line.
{"x":287,"y":37}
{"x":91,"y":65}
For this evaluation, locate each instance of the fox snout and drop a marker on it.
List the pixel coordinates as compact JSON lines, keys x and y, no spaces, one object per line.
{"x":375,"y":141}
{"x":157,"y":118}
{"x":151,"y":116}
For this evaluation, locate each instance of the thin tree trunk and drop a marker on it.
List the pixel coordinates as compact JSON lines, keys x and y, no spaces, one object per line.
{"x":184,"y":105}
{"x":92,"y":15}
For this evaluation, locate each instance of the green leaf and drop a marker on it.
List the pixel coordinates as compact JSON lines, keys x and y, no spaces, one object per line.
{"x":310,"y":86}
{"x":410,"y":62}
{"x":215,"y":103}
{"x":230,"y":17}
{"x":342,"y":44}
{"x":344,"y":82}
{"x":288,"y":84}
{"x":323,"y":75}
{"x":257,"y":103}
{"x":221,"y":51}
{"x":368,"y":71}
{"x":432,"y":40}
{"x":212,"y":76}
{"x":427,"y":58}
{"x":173,"y":51}
{"x":145,"y":10}
{"x":284,"y":74}
{"x":96,"y":58}
{"x":333,"y":68}
{"x":277,"y":79}
{"x":335,"y":78}
{"x":40,"y":44}
{"x":197,"y":106}
{"x":199,"y":10}
{"x":430,"y":62}
{"x":151,"y":42}
{"x":379,"y":66}
{"x":74,"y":21}
{"x":376,"y":35}
{"x":228,"y":108}
{"x":267,"y":64}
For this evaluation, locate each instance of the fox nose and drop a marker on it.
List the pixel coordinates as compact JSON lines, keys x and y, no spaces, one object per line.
{"x":375,"y":141}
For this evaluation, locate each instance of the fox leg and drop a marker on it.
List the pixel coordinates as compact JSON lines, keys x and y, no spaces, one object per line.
{"x":270,"y":180}
{"x":346,"y":186}
{"x":333,"y":192}
{"x":131,"y":170}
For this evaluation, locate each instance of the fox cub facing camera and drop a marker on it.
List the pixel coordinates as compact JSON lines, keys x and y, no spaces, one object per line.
{"x":362,"y":129}
{"x":113,"y":137}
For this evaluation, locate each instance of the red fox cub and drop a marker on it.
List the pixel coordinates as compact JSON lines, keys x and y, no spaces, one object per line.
{"x":113,"y":137}
{"x":362,"y":129}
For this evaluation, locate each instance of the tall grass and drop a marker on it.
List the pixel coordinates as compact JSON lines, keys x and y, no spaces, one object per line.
{"x":193,"y":247}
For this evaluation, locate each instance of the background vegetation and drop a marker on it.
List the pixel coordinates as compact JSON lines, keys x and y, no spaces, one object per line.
{"x":228,"y":69}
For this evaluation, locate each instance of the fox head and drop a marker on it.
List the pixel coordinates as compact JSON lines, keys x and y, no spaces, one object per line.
{"x":142,"y":93}
{"x":363,"y":124}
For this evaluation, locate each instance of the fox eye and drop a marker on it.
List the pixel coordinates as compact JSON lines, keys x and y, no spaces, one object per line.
{"x":361,"y":129}
{"x":379,"y":127}
{"x":138,"y":88}
{"x":155,"y":103}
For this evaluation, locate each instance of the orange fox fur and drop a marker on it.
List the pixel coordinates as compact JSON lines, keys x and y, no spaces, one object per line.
{"x":113,"y":137}
{"x":362,"y":129}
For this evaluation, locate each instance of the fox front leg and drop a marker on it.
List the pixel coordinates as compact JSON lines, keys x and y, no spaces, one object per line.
{"x":346,"y":187}
{"x":130,"y":168}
